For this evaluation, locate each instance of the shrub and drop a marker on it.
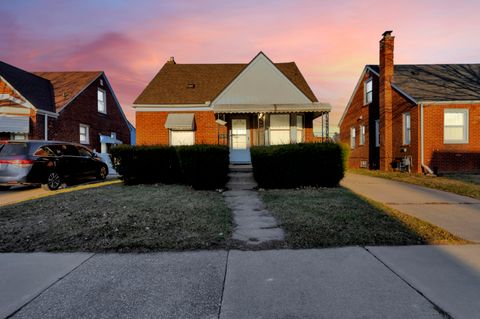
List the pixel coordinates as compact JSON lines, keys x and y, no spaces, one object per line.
{"x":146,"y":164}
{"x":204,"y":166}
{"x":201,"y":166}
{"x":297,"y":165}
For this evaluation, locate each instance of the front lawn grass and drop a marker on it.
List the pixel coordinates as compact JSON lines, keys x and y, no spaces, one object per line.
{"x":118,"y":218}
{"x":459,"y":184}
{"x":334,"y":217}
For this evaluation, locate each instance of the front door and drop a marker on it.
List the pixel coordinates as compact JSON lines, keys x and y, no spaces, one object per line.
{"x":239,"y":142}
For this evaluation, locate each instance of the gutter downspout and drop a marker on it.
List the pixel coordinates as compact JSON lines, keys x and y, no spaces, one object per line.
{"x":46,"y":127}
{"x":422,"y":147}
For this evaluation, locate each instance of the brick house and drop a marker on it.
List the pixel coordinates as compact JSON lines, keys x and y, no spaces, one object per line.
{"x":67,"y":106}
{"x":418,"y":117}
{"x":240,"y":105}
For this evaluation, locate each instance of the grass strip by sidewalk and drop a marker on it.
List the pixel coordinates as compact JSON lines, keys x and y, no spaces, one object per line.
{"x":117,"y":218}
{"x":335,"y":217}
{"x":456,"y":185}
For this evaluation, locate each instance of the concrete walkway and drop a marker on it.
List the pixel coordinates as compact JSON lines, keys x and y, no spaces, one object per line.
{"x":350,"y":282}
{"x":254,"y":225}
{"x":459,"y":215}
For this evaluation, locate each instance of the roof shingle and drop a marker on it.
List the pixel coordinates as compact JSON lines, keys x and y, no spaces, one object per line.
{"x":437,"y":82}
{"x":170,"y":85}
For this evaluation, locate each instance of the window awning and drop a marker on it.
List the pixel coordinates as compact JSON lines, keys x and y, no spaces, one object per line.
{"x":180,"y":121}
{"x":14,"y":124}
{"x":271,"y":108}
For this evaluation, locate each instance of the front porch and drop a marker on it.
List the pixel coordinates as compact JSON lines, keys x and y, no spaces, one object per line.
{"x":240,"y":131}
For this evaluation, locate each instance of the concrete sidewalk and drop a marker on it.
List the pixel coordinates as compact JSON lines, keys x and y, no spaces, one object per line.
{"x":350,"y":282}
{"x":459,"y":215}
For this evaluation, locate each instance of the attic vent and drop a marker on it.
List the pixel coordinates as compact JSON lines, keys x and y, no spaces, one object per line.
{"x":190,"y":85}
{"x":65,"y":95}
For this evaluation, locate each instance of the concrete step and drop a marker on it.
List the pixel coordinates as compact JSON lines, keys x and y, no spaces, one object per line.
{"x":242,"y":168}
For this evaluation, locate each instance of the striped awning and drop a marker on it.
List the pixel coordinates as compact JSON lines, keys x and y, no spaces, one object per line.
{"x":272,"y":108}
{"x":14,"y":124}
{"x":180,"y":121}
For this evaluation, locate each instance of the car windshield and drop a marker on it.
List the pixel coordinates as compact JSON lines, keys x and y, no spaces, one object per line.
{"x":14,"y":149}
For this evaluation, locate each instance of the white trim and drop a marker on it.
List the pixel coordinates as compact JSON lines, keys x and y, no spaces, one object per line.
{"x":169,"y":105}
{"x":27,"y":103}
{"x":360,"y":80}
{"x":116,"y":101}
{"x":466,"y":129}
{"x":51,"y":114}
{"x":104,"y":100}
{"x":259,"y":56}
{"x":451,"y":102}
{"x":79,"y":92}
{"x":87,"y":142}
{"x":173,"y":109}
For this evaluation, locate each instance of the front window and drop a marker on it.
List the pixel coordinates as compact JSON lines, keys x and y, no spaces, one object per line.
{"x":352,"y":138}
{"x":455,"y":126}
{"x":362,"y":135}
{"x":279,"y":129}
{"x":368,"y":91}
{"x":84,"y":138}
{"x":101,"y":98}
{"x":300,"y":126}
{"x":178,"y":138}
{"x":406,"y":129}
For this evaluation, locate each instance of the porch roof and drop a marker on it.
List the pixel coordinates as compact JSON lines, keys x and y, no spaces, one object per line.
{"x":272,"y":108}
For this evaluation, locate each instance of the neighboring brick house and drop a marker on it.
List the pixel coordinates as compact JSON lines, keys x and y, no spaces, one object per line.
{"x":240,"y":105}
{"x":423,"y":117}
{"x":67,"y":106}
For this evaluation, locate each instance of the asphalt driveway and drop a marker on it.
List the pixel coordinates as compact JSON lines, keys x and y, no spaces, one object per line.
{"x":459,"y":215}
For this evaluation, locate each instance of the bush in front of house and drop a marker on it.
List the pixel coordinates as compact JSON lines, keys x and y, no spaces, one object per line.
{"x":298,"y":165}
{"x":146,"y":164}
{"x":201,"y":166}
{"x":204,"y":166}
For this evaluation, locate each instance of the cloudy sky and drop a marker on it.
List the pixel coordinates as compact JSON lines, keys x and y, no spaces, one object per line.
{"x":330,"y":41}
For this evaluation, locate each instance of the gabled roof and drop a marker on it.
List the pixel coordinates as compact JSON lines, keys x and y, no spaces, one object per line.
{"x":67,"y":85}
{"x":38,"y":91}
{"x":437,"y":82}
{"x":171,"y":84}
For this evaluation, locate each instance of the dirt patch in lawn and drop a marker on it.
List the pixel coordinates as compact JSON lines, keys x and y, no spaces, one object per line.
{"x":337,"y":217}
{"x":118,"y":218}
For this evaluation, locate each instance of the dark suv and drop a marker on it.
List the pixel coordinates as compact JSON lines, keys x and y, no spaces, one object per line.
{"x":47,"y":162}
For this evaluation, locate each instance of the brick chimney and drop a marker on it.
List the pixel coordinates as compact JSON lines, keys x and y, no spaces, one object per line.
{"x":386,"y":123}
{"x":171,"y":60}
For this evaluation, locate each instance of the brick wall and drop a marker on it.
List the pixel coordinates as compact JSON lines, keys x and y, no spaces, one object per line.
{"x":84,"y":110}
{"x":451,"y":157}
{"x":151,"y":128}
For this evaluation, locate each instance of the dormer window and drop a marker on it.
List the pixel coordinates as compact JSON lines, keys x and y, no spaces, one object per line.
{"x":101,"y":101}
{"x":368,"y":91}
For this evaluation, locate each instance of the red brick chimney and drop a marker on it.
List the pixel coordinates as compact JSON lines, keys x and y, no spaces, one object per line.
{"x":171,"y":60}
{"x":386,"y":75}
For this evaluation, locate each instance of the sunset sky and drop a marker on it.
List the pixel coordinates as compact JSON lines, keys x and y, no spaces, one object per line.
{"x":330,"y":41}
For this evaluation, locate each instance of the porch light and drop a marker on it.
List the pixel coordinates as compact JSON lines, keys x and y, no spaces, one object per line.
{"x":221,"y":122}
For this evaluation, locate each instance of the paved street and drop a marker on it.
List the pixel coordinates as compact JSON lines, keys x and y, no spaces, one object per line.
{"x":459,"y":215}
{"x":351,"y":282}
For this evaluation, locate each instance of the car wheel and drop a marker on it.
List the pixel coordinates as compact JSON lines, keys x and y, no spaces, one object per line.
{"x":102,"y":173}
{"x":54,"y":180}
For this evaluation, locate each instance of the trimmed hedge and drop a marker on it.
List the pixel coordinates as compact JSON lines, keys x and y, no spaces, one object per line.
{"x":297,"y":165}
{"x":146,"y":164}
{"x":204,"y":166}
{"x":201,"y":166}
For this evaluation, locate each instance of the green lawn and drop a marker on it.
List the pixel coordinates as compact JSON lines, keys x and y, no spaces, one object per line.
{"x":461,"y":184}
{"x":118,"y":218}
{"x":337,"y":217}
